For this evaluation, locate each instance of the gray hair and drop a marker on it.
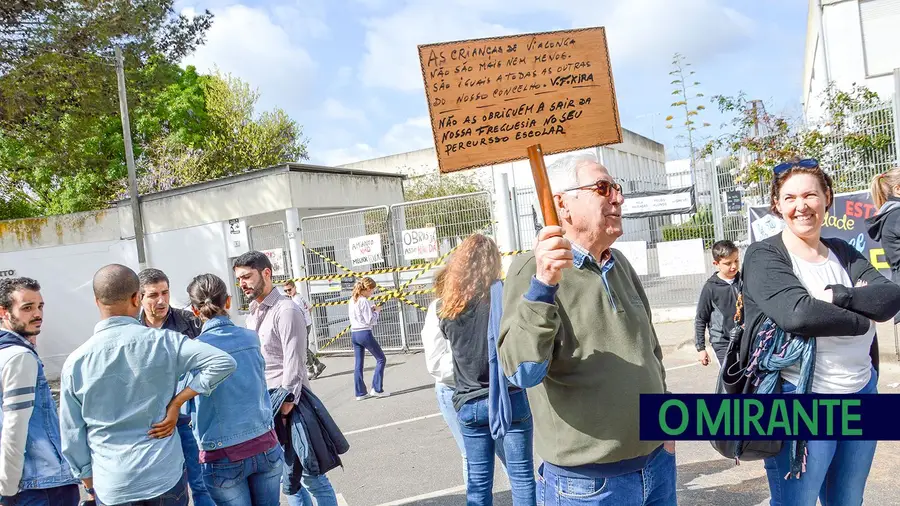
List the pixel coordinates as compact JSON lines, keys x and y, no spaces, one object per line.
{"x":563,"y":173}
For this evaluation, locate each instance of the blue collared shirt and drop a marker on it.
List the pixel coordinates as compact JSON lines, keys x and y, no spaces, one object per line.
{"x":114,"y":388}
{"x":581,"y":259}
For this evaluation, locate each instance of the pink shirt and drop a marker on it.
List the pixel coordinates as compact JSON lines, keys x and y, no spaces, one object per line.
{"x":282,"y":336}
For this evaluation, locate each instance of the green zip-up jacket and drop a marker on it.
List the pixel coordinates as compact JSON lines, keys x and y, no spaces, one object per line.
{"x":586,"y":350}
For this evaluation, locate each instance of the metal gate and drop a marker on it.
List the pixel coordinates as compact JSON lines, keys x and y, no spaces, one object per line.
{"x":450,"y":220}
{"x":326,"y":248}
{"x":270,"y":239}
{"x":404,"y":278}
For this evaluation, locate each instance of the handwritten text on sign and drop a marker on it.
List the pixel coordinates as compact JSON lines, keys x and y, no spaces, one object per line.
{"x":420,"y":244}
{"x":490,"y":99}
{"x":365,"y":250}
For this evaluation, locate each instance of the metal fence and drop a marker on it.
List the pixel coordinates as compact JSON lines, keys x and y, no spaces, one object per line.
{"x":270,"y":238}
{"x":453,"y":219}
{"x":403,"y":273}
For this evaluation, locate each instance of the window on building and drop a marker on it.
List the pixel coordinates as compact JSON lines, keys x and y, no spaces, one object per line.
{"x":881,"y":37}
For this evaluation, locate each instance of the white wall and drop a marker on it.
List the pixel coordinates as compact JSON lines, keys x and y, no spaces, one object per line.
{"x":843,"y":45}
{"x":65,"y":274}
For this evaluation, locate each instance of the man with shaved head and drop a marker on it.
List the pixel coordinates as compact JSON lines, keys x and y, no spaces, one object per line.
{"x":577,"y":331}
{"x":120,"y":402}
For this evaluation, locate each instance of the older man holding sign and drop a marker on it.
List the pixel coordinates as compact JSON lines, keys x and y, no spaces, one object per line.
{"x":577,"y":332}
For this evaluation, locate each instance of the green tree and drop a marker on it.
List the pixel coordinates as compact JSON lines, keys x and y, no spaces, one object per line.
{"x":852,"y":142}
{"x":60,"y":137}
{"x":686,"y":97}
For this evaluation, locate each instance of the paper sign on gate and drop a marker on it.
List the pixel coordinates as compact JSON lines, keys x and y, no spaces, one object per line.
{"x":276,"y":256}
{"x":679,"y":258}
{"x":636,"y":253}
{"x":420,"y":244}
{"x":365,"y":250}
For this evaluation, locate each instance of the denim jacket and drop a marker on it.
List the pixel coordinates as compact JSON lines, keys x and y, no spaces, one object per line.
{"x":315,"y":442}
{"x":239,"y":409}
{"x":44,"y":466}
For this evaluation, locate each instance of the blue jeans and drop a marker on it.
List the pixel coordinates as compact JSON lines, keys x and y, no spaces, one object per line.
{"x":314,"y":487}
{"x":364,"y":340}
{"x":254,"y":481}
{"x":836,"y":471}
{"x":654,"y":485}
{"x":445,"y":403}
{"x":480,"y":447}
{"x":176,"y":496}
{"x":67,"y":495}
{"x":192,"y":464}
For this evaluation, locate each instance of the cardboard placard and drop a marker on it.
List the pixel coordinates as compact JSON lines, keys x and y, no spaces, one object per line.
{"x":366,"y":250}
{"x":420,"y":243}
{"x":276,"y":257}
{"x":490,"y":99}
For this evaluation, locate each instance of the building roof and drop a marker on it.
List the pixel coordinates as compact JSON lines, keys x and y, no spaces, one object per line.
{"x":258,"y":173}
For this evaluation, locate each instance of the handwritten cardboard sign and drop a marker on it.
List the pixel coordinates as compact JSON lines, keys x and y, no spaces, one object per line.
{"x":490,"y":99}
{"x":420,"y":243}
{"x":365,"y":250}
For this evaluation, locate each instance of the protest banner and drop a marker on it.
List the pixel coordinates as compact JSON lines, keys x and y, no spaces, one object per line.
{"x":846,"y":220}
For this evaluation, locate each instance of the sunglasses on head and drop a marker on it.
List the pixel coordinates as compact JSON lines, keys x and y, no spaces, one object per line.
{"x":807,"y":164}
{"x":601,"y":187}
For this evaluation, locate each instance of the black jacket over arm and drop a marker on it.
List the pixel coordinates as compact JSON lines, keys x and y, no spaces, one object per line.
{"x":772,"y":289}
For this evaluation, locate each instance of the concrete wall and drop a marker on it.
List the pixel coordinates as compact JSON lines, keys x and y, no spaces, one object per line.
{"x":843,"y":45}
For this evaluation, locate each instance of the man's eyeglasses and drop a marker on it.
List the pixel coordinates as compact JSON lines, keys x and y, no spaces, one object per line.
{"x":601,"y":187}
{"x":807,"y":164}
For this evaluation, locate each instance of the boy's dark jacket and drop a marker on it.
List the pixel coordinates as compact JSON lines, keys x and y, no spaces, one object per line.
{"x":715,"y":310}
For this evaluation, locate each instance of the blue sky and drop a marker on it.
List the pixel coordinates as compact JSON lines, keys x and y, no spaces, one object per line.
{"x":347,"y":70}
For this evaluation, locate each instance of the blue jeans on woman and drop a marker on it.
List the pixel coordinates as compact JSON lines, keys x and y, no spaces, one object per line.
{"x":836,"y":471}
{"x":254,"y":481}
{"x":364,"y":340}
{"x":317,"y":487}
{"x":444,"y":395}
{"x":480,"y":447}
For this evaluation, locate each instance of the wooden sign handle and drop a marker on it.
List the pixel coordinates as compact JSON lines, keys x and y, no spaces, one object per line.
{"x":542,"y":185}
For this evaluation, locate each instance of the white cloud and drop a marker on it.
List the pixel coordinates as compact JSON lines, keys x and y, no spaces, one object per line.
{"x":641,"y":33}
{"x":247,"y":43}
{"x":392,"y":59}
{"x":410,"y":135}
{"x":344,"y":74}
{"x":335,"y":109}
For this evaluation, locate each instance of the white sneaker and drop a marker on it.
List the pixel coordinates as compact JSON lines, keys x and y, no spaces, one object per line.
{"x":373,"y":393}
{"x":362,"y":397}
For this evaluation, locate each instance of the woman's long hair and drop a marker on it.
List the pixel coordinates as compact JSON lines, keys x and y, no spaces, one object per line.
{"x":472,"y":269}
{"x":883,"y":186}
{"x":209,"y":295}
{"x":361,"y":286}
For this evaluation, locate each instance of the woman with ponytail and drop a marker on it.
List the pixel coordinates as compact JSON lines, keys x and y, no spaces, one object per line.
{"x":363,"y":317}
{"x":240,"y":456}
{"x":884,"y":227}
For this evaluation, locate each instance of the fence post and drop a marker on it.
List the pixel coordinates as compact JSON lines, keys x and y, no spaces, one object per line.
{"x":395,"y":230}
{"x":897,"y":115}
{"x":716,"y":199}
{"x":505,"y":228}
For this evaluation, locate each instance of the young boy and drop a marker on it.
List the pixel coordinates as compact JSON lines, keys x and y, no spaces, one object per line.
{"x":717,"y":303}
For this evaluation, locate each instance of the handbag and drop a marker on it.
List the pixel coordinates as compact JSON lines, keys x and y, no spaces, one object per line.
{"x":732,"y":380}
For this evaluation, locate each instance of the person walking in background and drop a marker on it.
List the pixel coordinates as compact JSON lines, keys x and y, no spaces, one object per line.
{"x":578,"y":332}
{"x":158,"y":313}
{"x":827,"y":292}
{"x":363,"y":317}
{"x":884,"y":227}
{"x":117,"y":410}
{"x":313,"y":365}
{"x":282,"y":335}
{"x":241,"y":459}
{"x":717,"y":304}
{"x":32,"y":470}
{"x":467,"y":304}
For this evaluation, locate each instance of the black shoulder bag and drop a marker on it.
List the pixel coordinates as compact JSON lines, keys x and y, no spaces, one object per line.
{"x":732,"y":381}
